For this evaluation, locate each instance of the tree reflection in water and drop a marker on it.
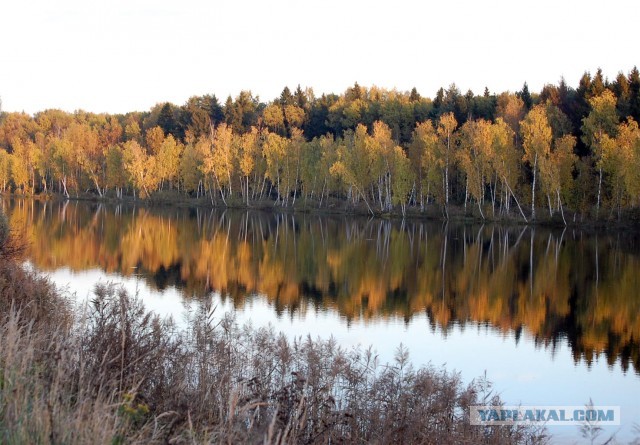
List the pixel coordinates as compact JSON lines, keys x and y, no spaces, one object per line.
{"x":549,"y":284}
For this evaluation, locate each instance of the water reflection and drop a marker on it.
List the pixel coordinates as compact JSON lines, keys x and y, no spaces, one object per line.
{"x":551,"y":285}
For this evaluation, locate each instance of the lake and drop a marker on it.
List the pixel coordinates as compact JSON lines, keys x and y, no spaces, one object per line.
{"x":551,"y":315}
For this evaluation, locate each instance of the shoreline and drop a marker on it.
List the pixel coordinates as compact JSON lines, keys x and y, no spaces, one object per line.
{"x":629,"y":220}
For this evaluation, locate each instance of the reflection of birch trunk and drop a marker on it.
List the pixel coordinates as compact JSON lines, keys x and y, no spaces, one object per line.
{"x":387,"y":239}
{"x":491,"y":252}
{"x":96,"y":216}
{"x":505,"y":245}
{"x":378,"y":238}
{"x":558,"y":246}
{"x":63,"y":213}
{"x":226,"y":241}
{"x":295,"y":242}
{"x":597,"y":266}
{"x":531,"y":263}
{"x":479,"y":244}
{"x":515,"y":246}
{"x":324,"y":243}
{"x":444,"y":260}
{"x":464,"y":245}
{"x":246,"y":227}
{"x":262,"y":236}
{"x":275,"y":245}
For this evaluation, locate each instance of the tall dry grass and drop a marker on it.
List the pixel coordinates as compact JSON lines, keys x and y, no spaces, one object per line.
{"x":111,"y":373}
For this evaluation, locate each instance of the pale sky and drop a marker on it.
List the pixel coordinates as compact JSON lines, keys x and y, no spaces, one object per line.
{"x":124,"y":55}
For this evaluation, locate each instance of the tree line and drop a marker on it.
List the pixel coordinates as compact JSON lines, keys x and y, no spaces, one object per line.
{"x":383,"y":150}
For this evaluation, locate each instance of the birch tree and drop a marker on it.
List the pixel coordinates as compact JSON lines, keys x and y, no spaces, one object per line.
{"x":474,"y":158}
{"x":446,"y":127}
{"x":536,"y":140}
{"x":506,"y":161}
{"x":425,"y":145}
{"x":601,"y":121}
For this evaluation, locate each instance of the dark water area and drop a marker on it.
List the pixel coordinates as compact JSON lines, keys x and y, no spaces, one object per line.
{"x":525,"y":304}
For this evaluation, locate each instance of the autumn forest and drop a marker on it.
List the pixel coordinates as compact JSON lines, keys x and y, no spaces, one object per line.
{"x":562,"y":152}
{"x":365,"y":218}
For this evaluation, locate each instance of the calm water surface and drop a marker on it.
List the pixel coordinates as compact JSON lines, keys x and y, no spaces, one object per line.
{"x":551,"y":316}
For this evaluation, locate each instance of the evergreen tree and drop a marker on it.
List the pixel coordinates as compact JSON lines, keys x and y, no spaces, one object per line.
{"x":525,"y":96}
{"x":634,"y":94}
{"x":167,"y":121}
{"x":414,"y":96}
{"x":582,"y":95}
{"x":468,"y":101}
{"x":246,"y":111}
{"x":216,"y":112}
{"x":316,"y":124}
{"x":549,"y":94}
{"x":300,"y":98}
{"x":597,"y":86}
{"x":437,"y":104}
{"x":621,"y":89}
{"x":354,"y":93}
{"x":197,"y":118}
{"x":286,"y":98}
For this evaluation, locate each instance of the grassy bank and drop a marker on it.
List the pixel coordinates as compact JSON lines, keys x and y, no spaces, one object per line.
{"x":111,"y":373}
